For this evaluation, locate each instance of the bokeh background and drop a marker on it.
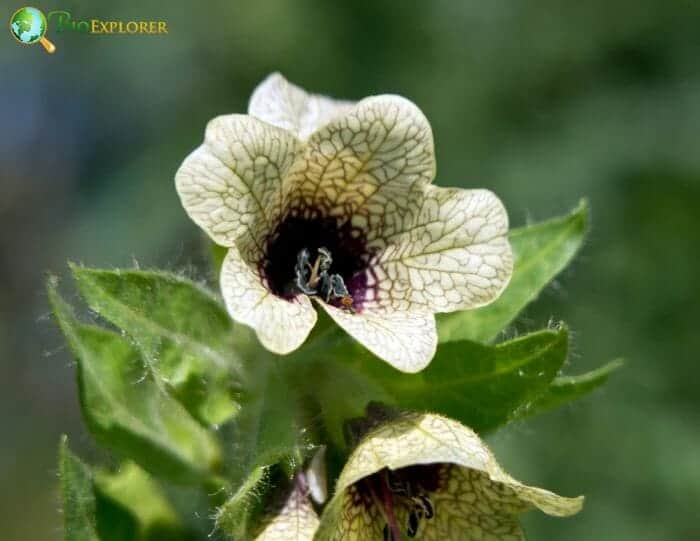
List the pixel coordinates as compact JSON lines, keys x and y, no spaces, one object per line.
{"x":542,"y":101}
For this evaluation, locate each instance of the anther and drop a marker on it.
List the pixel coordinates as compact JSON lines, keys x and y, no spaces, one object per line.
{"x":316,"y":280}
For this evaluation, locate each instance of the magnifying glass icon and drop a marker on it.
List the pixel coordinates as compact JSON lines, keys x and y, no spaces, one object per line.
{"x":28,"y":26}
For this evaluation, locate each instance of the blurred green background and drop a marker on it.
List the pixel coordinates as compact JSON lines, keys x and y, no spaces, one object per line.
{"x":543,"y":102}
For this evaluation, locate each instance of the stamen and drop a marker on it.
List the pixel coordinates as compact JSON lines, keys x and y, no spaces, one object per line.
{"x":316,"y":280}
{"x":410,"y":495}
{"x":427,"y":506}
{"x":301,"y":271}
{"x":321,"y":266}
{"x":402,"y":498}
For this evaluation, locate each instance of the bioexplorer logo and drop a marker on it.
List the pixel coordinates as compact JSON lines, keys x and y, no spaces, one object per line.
{"x":29,"y":25}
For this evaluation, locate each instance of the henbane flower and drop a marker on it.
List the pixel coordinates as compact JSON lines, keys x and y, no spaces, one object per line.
{"x":427,"y":477}
{"x":331,"y":202}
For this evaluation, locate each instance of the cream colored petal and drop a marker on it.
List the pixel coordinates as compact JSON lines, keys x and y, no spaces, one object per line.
{"x":369,"y":162}
{"x":281,"y":325}
{"x":467,"y":507}
{"x":231,"y":184}
{"x":432,"y":439}
{"x":406,"y":340}
{"x":295,"y":521}
{"x":451,"y":253}
{"x":282,"y":104}
{"x":471,"y":507}
{"x":348,"y":518}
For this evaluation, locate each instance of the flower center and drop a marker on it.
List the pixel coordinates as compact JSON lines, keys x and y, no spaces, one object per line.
{"x":315,"y":279}
{"x":403,"y":498}
{"x":317,"y":257}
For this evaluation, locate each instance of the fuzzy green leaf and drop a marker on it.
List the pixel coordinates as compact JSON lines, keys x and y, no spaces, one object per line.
{"x":343,"y":392}
{"x":540,"y":251}
{"x":123,"y":506}
{"x":270,"y":427}
{"x":184,"y":332}
{"x":78,"y":498}
{"x":127,"y":410}
{"x":482,"y":386}
{"x":565,"y":389}
{"x":237,"y":516}
{"x":270,"y":442}
{"x":142,"y":504}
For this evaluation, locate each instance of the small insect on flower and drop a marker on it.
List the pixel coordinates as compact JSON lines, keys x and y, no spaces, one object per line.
{"x":316,"y":279}
{"x":346,"y":302}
